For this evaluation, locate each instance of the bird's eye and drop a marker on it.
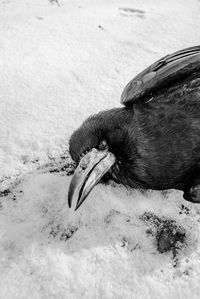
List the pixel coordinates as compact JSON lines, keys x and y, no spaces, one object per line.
{"x":103,"y":145}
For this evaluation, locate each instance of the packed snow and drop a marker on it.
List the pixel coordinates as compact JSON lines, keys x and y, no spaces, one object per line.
{"x":61,"y":61}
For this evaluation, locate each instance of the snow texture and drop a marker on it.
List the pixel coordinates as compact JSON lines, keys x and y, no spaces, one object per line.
{"x":61,"y":61}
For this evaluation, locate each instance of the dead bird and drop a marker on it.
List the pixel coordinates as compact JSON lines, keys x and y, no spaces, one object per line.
{"x":153,"y":142}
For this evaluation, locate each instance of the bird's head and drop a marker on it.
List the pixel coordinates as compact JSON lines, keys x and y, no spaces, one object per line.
{"x":100,"y":146}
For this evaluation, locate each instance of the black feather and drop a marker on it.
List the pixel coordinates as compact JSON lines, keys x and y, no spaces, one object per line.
{"x":156,"y":141}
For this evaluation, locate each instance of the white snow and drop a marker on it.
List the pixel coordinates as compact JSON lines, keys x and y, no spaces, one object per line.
{"x":58,"y":65}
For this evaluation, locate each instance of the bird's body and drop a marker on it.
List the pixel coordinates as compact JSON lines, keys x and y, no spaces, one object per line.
{"x":155,"y":138}
{"x":167,"y":137}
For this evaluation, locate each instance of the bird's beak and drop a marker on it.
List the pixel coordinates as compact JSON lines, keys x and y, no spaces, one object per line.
{"x":90,"y":170}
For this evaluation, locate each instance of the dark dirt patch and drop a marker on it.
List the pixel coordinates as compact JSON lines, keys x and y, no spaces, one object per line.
{"x":5,"y":192}
{"x":63,"y":234}
{"x":168,"y":234}
{"x":68,"y":168}
{"x":170,"y":238}
{"x":62,"y":165}
{"x":8,"y":188}
{"x":11,"y":193}
{"x":184,"y":210}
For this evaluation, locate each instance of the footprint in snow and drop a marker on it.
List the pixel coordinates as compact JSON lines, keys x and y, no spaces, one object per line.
{"x":131,"y":12}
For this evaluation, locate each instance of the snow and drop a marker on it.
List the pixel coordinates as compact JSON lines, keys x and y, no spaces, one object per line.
{"x":58,"y":65}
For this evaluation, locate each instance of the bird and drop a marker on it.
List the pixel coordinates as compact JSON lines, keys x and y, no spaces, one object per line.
{"x":152,"y":141}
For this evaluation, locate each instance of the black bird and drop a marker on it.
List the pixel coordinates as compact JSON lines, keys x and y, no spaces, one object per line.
{"x":151,"y":143}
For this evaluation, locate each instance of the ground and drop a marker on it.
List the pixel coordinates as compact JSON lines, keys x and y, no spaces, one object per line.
{"x":61,"y":61}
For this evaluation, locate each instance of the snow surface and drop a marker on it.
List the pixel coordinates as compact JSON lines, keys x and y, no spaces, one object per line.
{"x":59,"y":63}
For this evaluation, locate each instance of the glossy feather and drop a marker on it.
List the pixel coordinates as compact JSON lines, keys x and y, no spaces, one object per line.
{"x":169,"y":69}
{"x":156,"y":136}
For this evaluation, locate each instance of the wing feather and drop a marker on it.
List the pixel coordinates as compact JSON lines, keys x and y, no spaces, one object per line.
{"x":162,"y":73}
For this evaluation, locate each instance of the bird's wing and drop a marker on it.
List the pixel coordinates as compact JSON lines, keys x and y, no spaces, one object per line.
{"x":162,"y":73}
